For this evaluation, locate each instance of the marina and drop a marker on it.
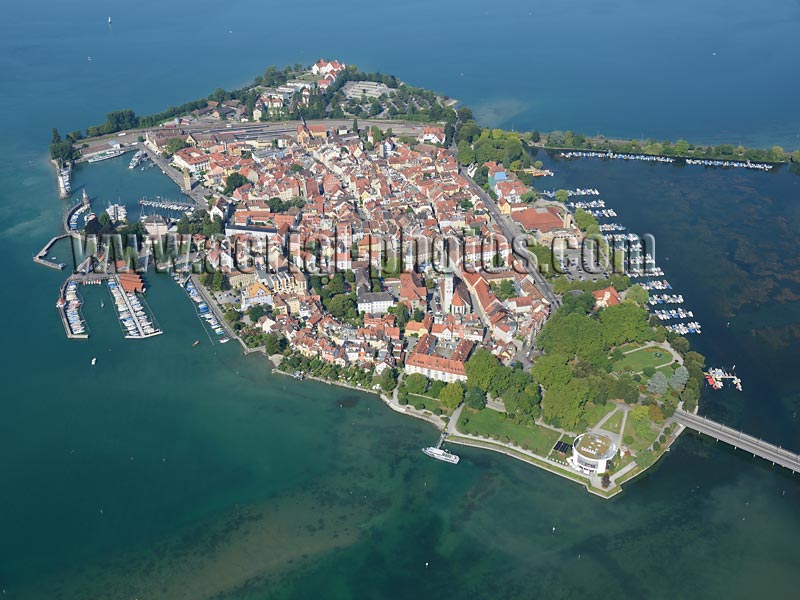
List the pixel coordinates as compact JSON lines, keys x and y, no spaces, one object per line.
{"x":730,"y":164}
{"x":167,"y":204}
{"x":684,"y":328}
{"x":204,"y":312}
{"x":134,"y":315}
{"x":616,"y":156}
{"x":666,"y":299}
{"x":666,"y":315}
{"x":69,"y":305}
{"x":575,"y":192}
{"x":117,"y":213}
{"x":71,"y":222}
{"x":726,"y":164}
{"x":64,"y":176}
{"x":716,"y":378}
{"x":639,"y":263}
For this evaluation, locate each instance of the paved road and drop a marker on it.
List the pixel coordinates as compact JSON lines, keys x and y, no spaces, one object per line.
{"x":739,"y":440}
{"x":197,"y":193}
{"x":513,"y":233}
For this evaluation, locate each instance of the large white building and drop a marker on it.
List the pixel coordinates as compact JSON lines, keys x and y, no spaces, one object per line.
{"x":591,"y":453}
{"x":375,"y":303}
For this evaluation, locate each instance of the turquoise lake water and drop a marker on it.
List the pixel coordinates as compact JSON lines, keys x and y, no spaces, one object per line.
{"x":168,"y":471}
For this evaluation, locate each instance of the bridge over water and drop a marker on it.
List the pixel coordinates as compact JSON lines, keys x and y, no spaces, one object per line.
{"x":739,"y":440}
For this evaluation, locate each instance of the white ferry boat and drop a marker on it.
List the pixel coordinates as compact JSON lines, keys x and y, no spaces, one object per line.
{"x":440,"y":454}
{"x":137,"y":158}
{"x":105,"y":155}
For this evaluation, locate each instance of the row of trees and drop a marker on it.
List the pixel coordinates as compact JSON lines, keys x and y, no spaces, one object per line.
{"x":681,"y":148}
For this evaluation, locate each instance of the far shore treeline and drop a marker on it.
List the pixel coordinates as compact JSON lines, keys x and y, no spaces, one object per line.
{"x":327,"y":104}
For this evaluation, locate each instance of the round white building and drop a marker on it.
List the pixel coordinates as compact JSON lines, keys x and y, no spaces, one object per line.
{"x":591,"y":453}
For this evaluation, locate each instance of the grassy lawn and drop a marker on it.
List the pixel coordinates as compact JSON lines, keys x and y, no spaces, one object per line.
{"x":488,"y":422}
{"x":639,"y":444}
{"x":644,"y":357}
{"x":596,"y":414}
{"x":430,"y":404}
{"x":614,"y":423}
{"x":668,"y":370}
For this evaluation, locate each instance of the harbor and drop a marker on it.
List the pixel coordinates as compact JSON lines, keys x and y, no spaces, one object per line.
{"x":64,"y":177}
{"x":41,"y":257}
{"x":716,"y":378}
{"x":639,"y":263}
{"x":725,"y":164}
{"x":69,"y":309}
{"x":135,"y":317}
{"x":204,"y":311}
{"x":616,"y":156}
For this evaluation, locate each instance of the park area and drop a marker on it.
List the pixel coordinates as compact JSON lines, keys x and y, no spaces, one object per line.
{"x":493,"y":424}
{"x":642,"y":358}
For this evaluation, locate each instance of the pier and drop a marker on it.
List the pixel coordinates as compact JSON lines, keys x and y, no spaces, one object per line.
{"x":739,"y":440}
{"x":69,"y":303}
{"x":80,"y":206}
{"x":140,"y":325}
{"x":195,"y":194}
{"x":41,"y":256}
{"x":168,"y":204}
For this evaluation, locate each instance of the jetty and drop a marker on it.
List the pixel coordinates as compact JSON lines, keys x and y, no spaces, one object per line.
{"x":168,"y":204}
{"x":68,"y":305}
{"x":41,"y":256}
{"x":64,"y":177}
{"x":739,"y":440}
{"x":135,"y":316}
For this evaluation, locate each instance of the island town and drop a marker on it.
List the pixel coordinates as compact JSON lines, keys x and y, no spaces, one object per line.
{"x":366,"y":233}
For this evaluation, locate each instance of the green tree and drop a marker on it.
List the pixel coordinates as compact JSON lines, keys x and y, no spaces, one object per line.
{"x":637,"y":294}
{"x":562,"y":405}
{"x":435,"y":388}
{"x":217,"y":281}
{"x":274,"y":343}
{"x":681,"y":148}
{"x":387,"y":379}
{"x":342,"y":306}
{"x":232,"y":182}
{"x":465,"y":154}
{"x":175,"y":144}
{"x":776,"y":154}
{"x":232,"y":315}
{"x":657,"y":383}
{"x":400,"y":311}
{"x":475,"y":398}
{"x":552,"y":369}
{"x":452,"y":395}
{"x":562,"y":196}
{"x":481,"y":368}
{"x":640,"y":417}
{"x":255,"y":312}
{"x":679,"y":378}
{"x":416,"y":383}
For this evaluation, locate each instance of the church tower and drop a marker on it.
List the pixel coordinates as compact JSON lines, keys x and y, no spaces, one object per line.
{"x":447,"y":292}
